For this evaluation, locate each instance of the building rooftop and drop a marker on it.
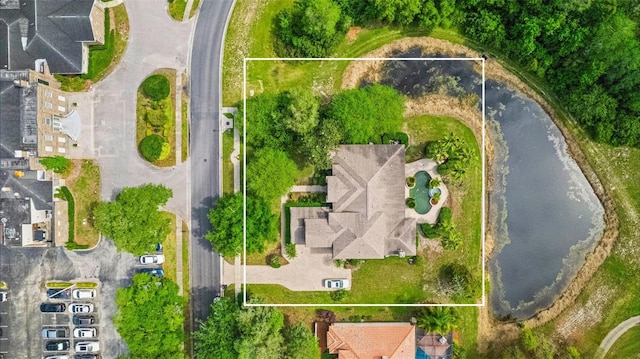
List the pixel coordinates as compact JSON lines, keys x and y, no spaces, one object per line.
{"x":53,"y":30}
{"x":372,"y":340}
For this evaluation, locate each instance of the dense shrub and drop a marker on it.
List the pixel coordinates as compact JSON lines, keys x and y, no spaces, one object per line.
{"x":429,"y":230}
{"x":290,"y":249}
{"x":411,"y":202}
{"x":274,"y":261}
{"x":156,"y":117}
{"x":339,"y":295}
{"x":397,"y":137}
{"x":151,"y":147}
{"x":156,"y":87}
{"x":58,"y":164}
{"x":411,"y":181}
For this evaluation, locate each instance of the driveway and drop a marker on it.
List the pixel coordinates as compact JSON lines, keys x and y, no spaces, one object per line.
{"x":305,"y":272}
{"x":26,"y":270}
{"x":109,"y":109}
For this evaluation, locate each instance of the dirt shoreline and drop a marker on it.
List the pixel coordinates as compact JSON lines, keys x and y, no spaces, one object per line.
{"x":490,"y":330}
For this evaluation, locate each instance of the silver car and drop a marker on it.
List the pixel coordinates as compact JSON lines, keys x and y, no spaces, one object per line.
{"x":84,"y":333}
{"x":81,"y":308}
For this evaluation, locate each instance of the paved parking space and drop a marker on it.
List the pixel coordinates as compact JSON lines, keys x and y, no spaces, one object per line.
{"x":26,"y":271}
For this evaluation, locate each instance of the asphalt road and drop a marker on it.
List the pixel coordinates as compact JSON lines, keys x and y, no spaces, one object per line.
{"x":204,"y":150}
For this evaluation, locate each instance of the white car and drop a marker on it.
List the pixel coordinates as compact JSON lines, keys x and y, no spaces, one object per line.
{"x":84,"y":293}
{"x":84,"y":333}
{"x":3,"y":296}
{"x":57,"y":357}
{"x":87,"y":347}
{"x":152,"y":259}
{"x":336,"y":283}
{"x":81,"y":308}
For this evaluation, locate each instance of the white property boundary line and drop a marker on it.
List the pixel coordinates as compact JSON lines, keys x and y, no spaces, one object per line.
{"x":244,"y":182}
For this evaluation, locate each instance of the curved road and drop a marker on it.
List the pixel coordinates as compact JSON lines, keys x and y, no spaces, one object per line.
{"x":615,"y":334}
{"x":205,"y":150}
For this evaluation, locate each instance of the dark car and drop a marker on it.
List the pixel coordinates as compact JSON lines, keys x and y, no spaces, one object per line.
{"x":58,"y":293}
{"x":57,"y":345}
{"x":158,"y":272}
{"x":86,"y":356}
{"x":83,"y":320}
{"x":52,"y":307}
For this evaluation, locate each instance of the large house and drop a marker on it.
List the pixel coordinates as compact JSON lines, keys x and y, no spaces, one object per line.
{"x":367,"y":215}
{"x":35,"y":122}
{"x":57,"y":31}
{"x":385,"y":340}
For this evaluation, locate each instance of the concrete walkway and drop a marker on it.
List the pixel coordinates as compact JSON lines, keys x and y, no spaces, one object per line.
{"x":187,"y":10}
{"x":430,"y":166}
{"x":309,"y":189}
{"x":615,"y":334}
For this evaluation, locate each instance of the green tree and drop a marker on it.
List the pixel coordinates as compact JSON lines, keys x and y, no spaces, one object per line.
{"x":156,"y":117}
{"x":311,"y":28}
{"x":133,"y":220}
{"x":317,"y":147}
{"x":300,"y":343}
{"x":150,"y":317}
{"x":264,"y":123}
{"x":156,"y":87}
{"x":228,"y":222}
{"x":58,"y":164}
{"x":299,"y":111}
{"x":270,"y":173}
{"x":217,"y":334}
{"x":364,"y":113}
{"x":151,"y":147}
{"x":260,"y":332}
{"x":437,"y":319}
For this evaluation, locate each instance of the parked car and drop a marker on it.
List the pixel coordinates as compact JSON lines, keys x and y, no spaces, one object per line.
{"x":158,"y":272}
{"x":159,"y":247}
{"x":86,"y":356}
{"x":57,"y":293}
{"x":81,"y":308}
{"x":3,"y":296}
{"x":51,"y":333}
{"x":84,"y":293}
{"x":83,"y":320}
{"x":87,"y":347}
{"x":52,"y":307}
{"x":85,"y":333}
{"x":57,"y":346}
{"x":152,"y":259}
{"x":57,"y":357}
{"x":336,"y":283}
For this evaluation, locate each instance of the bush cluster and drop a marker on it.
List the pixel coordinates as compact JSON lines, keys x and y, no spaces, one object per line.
{"x":156,"y":87}
{"x":151,"y":147}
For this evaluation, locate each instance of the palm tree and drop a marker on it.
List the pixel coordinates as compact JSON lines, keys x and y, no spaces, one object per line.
{"x":437,"y":319}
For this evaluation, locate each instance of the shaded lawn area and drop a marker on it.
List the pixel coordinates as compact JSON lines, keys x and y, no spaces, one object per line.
{"x":227,"y":165}
{"x":169,"y":249}
{"x":86,"y":193}
{"x":627,"y":346}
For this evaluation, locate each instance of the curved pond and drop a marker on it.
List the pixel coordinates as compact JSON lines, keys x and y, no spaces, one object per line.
{"x":420,"y":192}
{"x":544,"y":214}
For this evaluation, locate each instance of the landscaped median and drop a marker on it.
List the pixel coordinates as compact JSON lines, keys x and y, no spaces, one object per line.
{"x":156,"y":118}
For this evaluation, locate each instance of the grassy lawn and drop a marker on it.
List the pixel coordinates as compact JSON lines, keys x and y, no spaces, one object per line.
{"x":627,"y":346}
{"x":185,"y":123}
{"x":177,"y":8}
{"x":168,"y":132}
{"x":227,"y":165}
{"x":102,"y":58}
{"x":194,"y":8}
{"x":169,"y":249}
{"x":186,"y":289}
{"x":85,"y":188}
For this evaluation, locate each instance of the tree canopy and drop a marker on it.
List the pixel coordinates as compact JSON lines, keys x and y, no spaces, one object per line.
{"x":437,"y":319}
{"x":58,"y":164}
{"x":133,"y":220}
{"x":366,"y":112}
{"x":250,"y":332}
{"x":270,"y":173}
{"x":311,"y":28}
{"x":228,"y":221}
{"x":150,"y":317}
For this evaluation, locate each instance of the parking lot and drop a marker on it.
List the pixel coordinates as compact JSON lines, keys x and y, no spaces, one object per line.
{"x":26,"y":272}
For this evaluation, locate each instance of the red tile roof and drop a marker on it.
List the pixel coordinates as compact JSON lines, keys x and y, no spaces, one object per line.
{"x":372,"y":340}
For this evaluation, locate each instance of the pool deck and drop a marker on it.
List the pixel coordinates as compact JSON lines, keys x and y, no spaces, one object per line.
{"x":430,"y":166}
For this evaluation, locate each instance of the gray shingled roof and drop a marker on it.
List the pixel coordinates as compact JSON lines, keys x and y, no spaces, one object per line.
{"x":54,"y":30}
{"x":366,"y":190}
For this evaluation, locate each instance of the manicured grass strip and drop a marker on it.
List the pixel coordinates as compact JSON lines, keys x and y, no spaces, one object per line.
{"x":169,"y":249}
{"x":100,"y":56}
{"x":194,"y":8}
{"x":71,"y":211}
{"x":86,"y":285}
{"x":58,"y":284}
{"x":227,"y":165}
{"x":627,"y":346}
{"x":177,"y":8}
{"x":185,"y":129}
{"x":186,"y":289}
{"x":86,"y":194}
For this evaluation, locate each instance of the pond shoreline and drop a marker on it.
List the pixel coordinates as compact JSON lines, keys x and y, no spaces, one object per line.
{"x":491,"y":329}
